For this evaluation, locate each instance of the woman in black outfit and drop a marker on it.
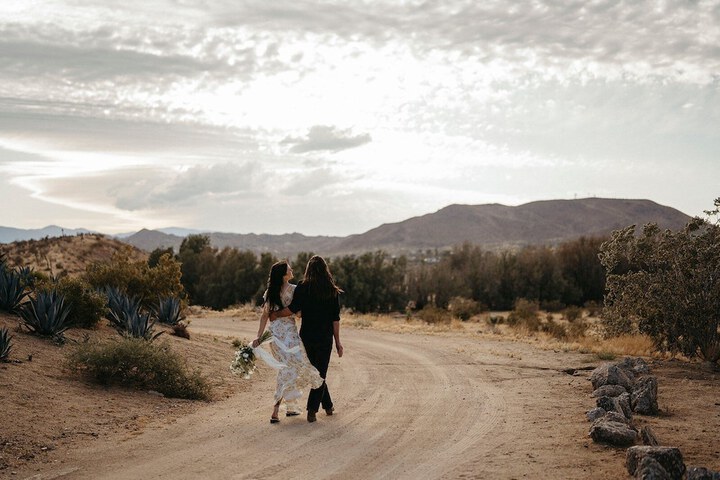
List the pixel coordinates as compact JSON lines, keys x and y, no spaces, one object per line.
{"x":317,"y":297}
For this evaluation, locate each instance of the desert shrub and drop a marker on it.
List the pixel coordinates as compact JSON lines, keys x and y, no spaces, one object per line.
{"x":666,"y":285}
{"x":137,"y":278}
{"x":464,"y":308}
{"x":554,"y":329}
{"x":496,"y":319}
{"x":46,"y":314}
{"x":431,"y":314}
{"x":168,"y":310}
{"x":576,"y":329}
{"x":525,"y":315}
{"x":593,"y":308}
{"x":5,"y":344}
{"x":572,"y":313}
{"x":87,"y":305}
{"x":139,"y":364}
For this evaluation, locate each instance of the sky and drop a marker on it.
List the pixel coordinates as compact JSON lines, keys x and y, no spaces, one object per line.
{"x":334,"y":117}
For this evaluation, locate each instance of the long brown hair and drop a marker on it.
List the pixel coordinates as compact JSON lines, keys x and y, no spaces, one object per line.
{"x":274,"y":284}
{"x":319,"y":280}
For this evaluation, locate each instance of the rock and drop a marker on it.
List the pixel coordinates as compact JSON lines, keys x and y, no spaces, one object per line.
{"x":635,"y":366}
{"x":650,"y":469}
{"x":609,"y":391}
{"x":702,"y":473}
{"x":617,"y":417}
{"x":614,"y":433}
{"x":669,"y":457}
{"x":644,"y":396}
{"x":648,"y":436}
{"x":609,"y":374}
{"x":595,"y":413}
{"x":620,"y":404}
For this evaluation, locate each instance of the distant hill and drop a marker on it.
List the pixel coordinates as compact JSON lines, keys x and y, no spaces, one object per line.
{"x":493,"y":226}
{"x":287,"y":245}
{"x":499,"y":226}
{"x":68,"y":254}
{"x":8,"y":234}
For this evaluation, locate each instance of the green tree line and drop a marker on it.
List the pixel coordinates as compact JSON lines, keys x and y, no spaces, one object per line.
{"x":569,"y":274}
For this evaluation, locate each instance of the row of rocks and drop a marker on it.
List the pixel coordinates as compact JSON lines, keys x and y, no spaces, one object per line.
{"x":621,"y":390}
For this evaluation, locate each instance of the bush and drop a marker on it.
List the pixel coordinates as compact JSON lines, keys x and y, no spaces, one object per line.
{"x":464,"y":308}
{"x":46,"y":314}
{"x":665,"y":284}
{"x":87,"y":306}
{"x":139,"y":364}
{"x":525,"y":315}
{"x":137,"y":278}
{"x":554,"y":329}
{"x":431,"y":314}
{"x":572,"y":313}
{"x":5,"y":344}
{"x":180,"y":330}
{"x":552,"y":305}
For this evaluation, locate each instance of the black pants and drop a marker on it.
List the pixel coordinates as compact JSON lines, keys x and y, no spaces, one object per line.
{"x":319,"y":356}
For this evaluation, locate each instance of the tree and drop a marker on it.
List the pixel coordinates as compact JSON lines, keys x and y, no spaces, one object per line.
{"x":667,"y":285}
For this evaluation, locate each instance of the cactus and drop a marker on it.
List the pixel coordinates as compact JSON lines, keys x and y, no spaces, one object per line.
{"x":168,"y":310}
{"x":46,"y":314}
{"x":135,"y":323}
{"x":5,"y":344}
{"x":12,"y":289}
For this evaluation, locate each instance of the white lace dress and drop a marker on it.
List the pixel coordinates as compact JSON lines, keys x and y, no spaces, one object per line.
{"x":297,"y":372}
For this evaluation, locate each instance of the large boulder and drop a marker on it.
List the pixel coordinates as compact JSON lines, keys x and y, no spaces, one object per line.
{"x":702,"y":473}
{"x":643,"y":399}
{"x":635,"y":366}
{"x":609,"y":374}
{"x":595,"y":413}
{"x":609,"y":391}
{"x":616,"y":433}
{"x":669,"y":457}
{"x":650,"y":469}
{"x":619,"y":404}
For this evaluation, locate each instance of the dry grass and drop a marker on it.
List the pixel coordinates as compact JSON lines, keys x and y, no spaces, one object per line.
{"x":480,"y":325}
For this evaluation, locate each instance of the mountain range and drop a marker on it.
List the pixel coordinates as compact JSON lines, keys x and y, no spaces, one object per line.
{"x":493,"y":226}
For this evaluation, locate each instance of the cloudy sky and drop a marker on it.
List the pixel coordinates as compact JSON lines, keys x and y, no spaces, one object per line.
{"x":332,"y":117}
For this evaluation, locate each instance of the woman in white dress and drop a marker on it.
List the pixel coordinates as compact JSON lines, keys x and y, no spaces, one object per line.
{"x":295,"y":371}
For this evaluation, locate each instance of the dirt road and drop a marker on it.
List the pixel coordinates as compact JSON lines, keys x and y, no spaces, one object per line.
{"x":408,"y":406}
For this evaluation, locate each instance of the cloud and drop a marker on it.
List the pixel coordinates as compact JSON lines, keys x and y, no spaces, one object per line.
{"x":326,"y":138}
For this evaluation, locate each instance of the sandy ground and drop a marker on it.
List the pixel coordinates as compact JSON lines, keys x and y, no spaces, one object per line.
{"x":422,"y":406}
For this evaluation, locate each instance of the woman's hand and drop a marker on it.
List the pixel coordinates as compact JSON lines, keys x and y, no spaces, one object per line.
{"x":255,"y":343}
{"x":339,"y":348}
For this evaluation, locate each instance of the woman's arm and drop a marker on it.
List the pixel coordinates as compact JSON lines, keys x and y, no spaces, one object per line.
{"x":285,"y":312}
{"x":336,"y":334}
{"x":263,"y":321}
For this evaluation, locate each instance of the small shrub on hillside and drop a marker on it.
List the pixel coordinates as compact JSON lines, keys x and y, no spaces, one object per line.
{"x":605,"y":355}
{"x":525,"y":315}
{"x":46,"y":314}
{"x":572,"y":313}
{"x":577,"y":329}
{"x":143,"y":365}
{"x":431,"y":314}
{"x":180,"y":330}
{"x":464,"y":308}
{"x":87,"y":306}
{"x":496,"y":319}
{"x":593,"y":309}
{"x":5,"y":344}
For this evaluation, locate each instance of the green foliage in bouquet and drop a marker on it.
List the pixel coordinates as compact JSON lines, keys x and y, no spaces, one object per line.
{"x":244,"y":362}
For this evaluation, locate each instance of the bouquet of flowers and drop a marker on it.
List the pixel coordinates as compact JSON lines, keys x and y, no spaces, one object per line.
{"x":244,"y":361}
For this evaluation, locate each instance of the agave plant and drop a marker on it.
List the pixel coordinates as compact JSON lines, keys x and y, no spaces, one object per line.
{"x":168,"y":310}
{"x":119,"y":306}
{"x":27,"y":277}
{"x":46,"y":313}
{"x":12,"y":290}
{"x":5,"y":344}
{"x":135,"y":323}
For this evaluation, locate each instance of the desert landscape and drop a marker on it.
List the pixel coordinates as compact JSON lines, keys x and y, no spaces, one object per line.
{"x":463,"y":400}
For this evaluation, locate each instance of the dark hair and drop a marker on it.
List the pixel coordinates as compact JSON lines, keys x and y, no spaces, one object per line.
{"x":274,"y":284}
{"x":319,"y":279}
